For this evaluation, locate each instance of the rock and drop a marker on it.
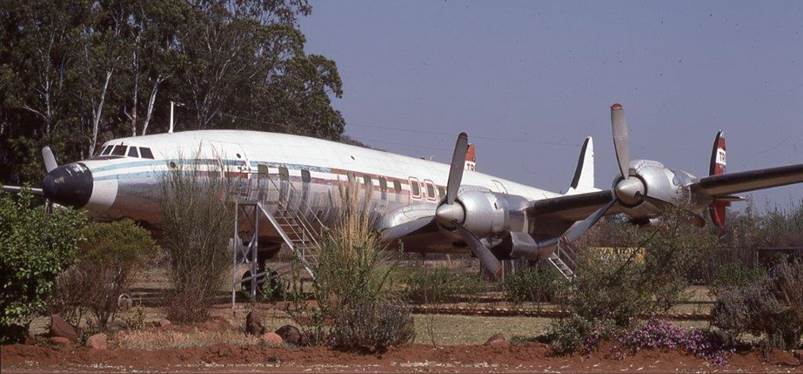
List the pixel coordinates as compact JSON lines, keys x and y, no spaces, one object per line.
{"x":60,"y":341}
{"x":497,"y":340}
{"x":289,"y":334}
{"x":253,"y":323}
{"x":272,"y":338}
{"x":60,"y":328}
{"x":164,"y":323}
{"x":97,"y":341}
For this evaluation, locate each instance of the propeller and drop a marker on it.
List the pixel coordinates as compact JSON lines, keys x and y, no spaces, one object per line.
{"x":451,"y":214}
{"x":50,"y":164}
{"x":628,"y":190}
{"x":49,"y":158}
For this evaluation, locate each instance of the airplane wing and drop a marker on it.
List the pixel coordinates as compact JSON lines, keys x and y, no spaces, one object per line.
{"x":731,"y":183}
{"x":569,"y":208}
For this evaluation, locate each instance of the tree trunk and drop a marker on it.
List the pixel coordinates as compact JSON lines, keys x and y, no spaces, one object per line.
{"x":151,"y":102}
{"x":96,"y":113}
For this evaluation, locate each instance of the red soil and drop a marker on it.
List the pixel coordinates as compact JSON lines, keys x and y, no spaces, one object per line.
{"x":229,"y":358}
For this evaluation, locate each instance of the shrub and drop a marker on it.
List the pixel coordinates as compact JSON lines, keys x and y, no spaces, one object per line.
{"x":372,"y":327}
{"x":197,"y":222}
{"x":657,"y":334}
{"x":352,"y":287}
{"x":440,"y":285}
{"x":34,"y":249}
{"x":734,"y":275}
{"x":534,"y":284}
{"x":578,"y":334}
{"x":772,"y":307}
{"x":646,"y":271}
{"x":103,"y":270}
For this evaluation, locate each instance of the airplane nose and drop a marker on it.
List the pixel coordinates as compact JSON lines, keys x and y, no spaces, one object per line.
{"x":69,"y":185}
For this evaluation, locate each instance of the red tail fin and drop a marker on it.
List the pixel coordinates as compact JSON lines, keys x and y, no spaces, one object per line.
{"x":471,"y":158}
{"x":718,"y":208}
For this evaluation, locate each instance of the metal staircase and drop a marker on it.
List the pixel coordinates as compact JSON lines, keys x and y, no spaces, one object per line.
{"x":564,"y":258}
{"x":293,"y":220}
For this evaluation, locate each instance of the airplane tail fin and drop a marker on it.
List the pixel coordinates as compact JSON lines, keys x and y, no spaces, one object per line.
{"x":471,"y":158}
{"x":583,"y":180}
{"x":718,"y":209}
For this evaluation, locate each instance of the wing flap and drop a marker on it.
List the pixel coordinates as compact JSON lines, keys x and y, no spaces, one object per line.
{"x":731,"y":183}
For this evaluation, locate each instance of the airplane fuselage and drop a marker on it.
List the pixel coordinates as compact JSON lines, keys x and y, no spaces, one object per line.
{"x":300,"y":170}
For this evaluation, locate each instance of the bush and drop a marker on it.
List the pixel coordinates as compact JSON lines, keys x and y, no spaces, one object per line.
{"x":352,"y":288}
{"x":772,"y":307}
{"x":440,"y":285}
{"x":657,"y":334}
{"x":197,"y":222}
{"x":734,"y":275}
{"x":534,"y":284}
{"x":34,"y":249}
{"x":372,"y":327}
{"x":646,"y":270}
{"x":103,"y":270}
{"x":578,"y":334}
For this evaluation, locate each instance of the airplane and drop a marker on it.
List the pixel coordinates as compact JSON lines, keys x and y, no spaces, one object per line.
{"x":423,"y":205}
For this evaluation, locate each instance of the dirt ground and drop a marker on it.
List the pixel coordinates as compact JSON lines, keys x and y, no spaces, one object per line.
{"x":531,"y":357}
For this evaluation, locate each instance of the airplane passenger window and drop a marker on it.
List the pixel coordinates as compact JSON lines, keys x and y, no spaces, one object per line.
{"x":119,"y":150}
{"x":430,"y":190}
{"x":383,"y":184}
{"x":397,"y":186}
{"x":146,"y":152}
{"x":106,"y":150}
{"x":305,"y":176}
{"x":132,"y":152}
{"x":414,"y":188}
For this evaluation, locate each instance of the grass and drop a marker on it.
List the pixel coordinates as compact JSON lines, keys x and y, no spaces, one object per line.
{"x":154,"y":340}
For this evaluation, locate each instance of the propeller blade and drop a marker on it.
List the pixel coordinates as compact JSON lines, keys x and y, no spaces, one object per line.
{"x":580,"y":227}
{"x":407,"y":228}
{"x":50,"y":159}
{"x":456,"y":169}
{"x":620,"y":138}
{"x":492,"y":266}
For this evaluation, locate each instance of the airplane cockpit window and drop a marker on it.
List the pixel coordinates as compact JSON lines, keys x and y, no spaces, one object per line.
{"x":441,"y":191}
{"x":132,"y":152}
{"x":106,"y":150}
{"x":146,"y":152}
{"x":119,"y":150}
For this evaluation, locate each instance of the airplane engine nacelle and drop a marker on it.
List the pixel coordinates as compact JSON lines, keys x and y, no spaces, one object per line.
{"x":488,"y":213}
{"x":659,"y":183}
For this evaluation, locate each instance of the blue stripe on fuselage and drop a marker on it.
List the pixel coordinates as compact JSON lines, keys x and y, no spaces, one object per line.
{"x":133,"y":164}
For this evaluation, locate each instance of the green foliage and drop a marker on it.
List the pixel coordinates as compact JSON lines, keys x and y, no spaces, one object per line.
{"x":103,"y":270}
{"x":34,"y":249}
{"x":771,"y":307}
{"x":578,"y":334}
{"x":735,"y":275}
{"x":533,"y":284}
{"x":645,"y":270}
{"x":440,"y":285}
{"x":197,"y":221}
{"x":74,"y":74}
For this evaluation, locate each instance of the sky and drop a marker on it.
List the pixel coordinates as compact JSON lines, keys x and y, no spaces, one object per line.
{"x":528,"y":80}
